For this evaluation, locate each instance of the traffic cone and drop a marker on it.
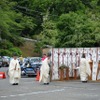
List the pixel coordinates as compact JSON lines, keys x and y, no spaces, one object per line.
{"x":2,"y":75}
{"x":38,"y":75}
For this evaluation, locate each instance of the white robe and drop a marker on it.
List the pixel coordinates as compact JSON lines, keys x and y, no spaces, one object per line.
{"x":44,"y":71}
{"x":84,"y":69}
{"x":13,"y":73}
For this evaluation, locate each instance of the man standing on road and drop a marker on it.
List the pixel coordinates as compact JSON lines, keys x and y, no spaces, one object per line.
{"x":44,"y":70}
{"x":84,"y":69}
{"x":14,"y":71}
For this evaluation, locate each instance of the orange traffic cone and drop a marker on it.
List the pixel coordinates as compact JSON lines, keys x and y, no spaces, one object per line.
{"x":38,"y":75}
{"x":2,"y":75}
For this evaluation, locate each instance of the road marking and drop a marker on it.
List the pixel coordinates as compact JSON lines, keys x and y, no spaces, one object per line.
{"x":84,"y":88}
{"x":3,"y":96}
{"x":33,"y":93}
{"x":50,"y":91}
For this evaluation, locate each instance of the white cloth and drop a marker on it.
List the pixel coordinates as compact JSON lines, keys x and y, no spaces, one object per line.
{"x":14,"y":71}
{"x":84,"y":69}
{"x":44,"y":71}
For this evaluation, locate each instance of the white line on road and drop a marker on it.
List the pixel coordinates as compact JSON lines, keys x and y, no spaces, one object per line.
{"x":31,"y":93}
{"x":81,"y":88}
{"x":91,"y":95}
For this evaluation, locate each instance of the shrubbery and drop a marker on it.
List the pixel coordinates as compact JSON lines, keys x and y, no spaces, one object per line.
{"x":7,"y":48}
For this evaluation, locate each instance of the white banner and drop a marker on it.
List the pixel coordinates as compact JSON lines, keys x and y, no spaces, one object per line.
{"x":94,"y":72}
{"x":71,"y":58}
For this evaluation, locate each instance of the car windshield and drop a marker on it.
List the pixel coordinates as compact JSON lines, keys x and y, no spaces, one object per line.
{"x":35,"y":60}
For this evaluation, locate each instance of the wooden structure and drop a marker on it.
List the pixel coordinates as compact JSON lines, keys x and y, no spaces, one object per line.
{"x":91,"y":67}
{"x":75,"y":73}
{"x":98,"y":69}
{"x":63,"y":74}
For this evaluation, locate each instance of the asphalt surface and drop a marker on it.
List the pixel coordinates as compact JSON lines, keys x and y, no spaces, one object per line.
{"x":30,"y":89}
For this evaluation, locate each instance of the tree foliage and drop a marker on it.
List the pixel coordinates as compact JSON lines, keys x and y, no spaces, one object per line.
{"x":78,"y":29}
{"x":59,"y":23}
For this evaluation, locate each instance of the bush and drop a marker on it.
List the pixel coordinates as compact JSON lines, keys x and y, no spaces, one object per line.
{"x":10,"y":52}
{"x":5,"y":52}
{"x":15,"y":49}
{"x":4,"y":44}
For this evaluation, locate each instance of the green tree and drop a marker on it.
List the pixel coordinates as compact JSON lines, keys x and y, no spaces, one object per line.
{"x":59,"y":23}
{"x":49,"y":33}
{"x":78,"y":30}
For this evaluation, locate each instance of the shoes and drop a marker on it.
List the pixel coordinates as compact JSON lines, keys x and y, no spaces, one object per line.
{"x":46,"y":83}
{"x":15,"y":84}
{"x":84,"y":81}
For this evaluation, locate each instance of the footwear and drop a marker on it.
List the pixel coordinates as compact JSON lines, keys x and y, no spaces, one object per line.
{"x":84,"y":81}
{"x":16,"y":83}
{"x":47,"y":83}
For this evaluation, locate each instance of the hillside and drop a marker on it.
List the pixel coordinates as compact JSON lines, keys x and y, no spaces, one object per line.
{"x":27,"y":49}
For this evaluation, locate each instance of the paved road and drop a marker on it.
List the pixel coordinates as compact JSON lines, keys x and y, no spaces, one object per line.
{"x":29,"y":89}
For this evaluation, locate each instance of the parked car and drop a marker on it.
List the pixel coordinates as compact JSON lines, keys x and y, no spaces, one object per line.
{"x":5,"y":61}
{"x":35,"y":62}
{"x":28,"y":71}
{"x":31,"y":66}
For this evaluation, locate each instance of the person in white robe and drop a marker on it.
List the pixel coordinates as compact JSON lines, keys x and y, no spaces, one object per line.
{"x":14,"y":71}
{"x":45,"y":70}
{"x":84,"y":69}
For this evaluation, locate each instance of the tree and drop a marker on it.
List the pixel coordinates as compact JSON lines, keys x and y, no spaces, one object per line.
{"x":49,"y":33}
{"x":78,"y":30}
{"x":59,"y":23}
